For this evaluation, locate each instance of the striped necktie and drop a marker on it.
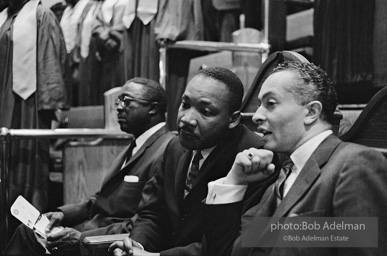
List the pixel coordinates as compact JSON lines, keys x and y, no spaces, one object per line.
{"x":280,"y":183}
{"x":193,"y":172}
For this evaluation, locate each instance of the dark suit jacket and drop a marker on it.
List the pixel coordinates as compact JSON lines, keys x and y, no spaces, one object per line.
{"x":117,"y":201}
{"x":339,"y":180}
{"x":171,"y":224}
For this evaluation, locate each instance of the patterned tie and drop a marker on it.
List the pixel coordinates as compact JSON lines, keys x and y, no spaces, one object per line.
{"x":193,"y":172}
{"x":280,"y":183}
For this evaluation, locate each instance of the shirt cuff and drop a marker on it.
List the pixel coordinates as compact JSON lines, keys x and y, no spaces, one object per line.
{"x":220,"y":193}
{"x":138,"y":245}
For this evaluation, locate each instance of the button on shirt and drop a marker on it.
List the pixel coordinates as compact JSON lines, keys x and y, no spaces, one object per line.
{"x":219,"y":193}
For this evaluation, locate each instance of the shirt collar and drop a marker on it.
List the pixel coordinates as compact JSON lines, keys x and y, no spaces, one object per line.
{"x":303,"y":153}
{"x":205,"y":153}
{"x":143,"y":137}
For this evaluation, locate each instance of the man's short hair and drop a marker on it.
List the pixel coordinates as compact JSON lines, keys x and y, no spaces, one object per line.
{"x":316,"y":86}
{"x":231,"y":80}
{"x":152,"y":91}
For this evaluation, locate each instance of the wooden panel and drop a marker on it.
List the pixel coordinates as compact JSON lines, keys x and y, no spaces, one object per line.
{"x":84,"y":166}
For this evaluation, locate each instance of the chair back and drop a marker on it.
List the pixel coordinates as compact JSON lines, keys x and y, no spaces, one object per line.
{"x":370,"y":128}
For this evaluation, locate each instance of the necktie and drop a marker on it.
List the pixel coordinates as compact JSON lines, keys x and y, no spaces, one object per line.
{"x":193,"y":172}
{"x":129,"y":153}
{"x":280,"y":183}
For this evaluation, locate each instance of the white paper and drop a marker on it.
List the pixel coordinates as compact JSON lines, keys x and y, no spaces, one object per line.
{"x":25,"y":212}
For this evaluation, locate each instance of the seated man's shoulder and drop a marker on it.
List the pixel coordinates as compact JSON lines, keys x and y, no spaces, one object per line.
{"x":358,"y":155}
{"x":351,"y":149}
{"x":167,"y":136}
{"x":174,"y":145}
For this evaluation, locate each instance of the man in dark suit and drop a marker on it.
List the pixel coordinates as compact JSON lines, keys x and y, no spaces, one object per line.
{"x":141,"y":109}
{"x":208,"y":123}
{"x":326,"y":177}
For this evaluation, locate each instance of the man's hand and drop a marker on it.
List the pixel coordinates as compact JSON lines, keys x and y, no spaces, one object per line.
{"x":110,"y":44}
{"x":104,"y":35}
{"x":65,"y":240}
{"x":55,"y":220}
{"x":128,"y":247}
{"x":251,"y":165}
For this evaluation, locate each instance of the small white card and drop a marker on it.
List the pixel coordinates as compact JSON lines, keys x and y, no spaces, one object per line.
{"x":22,"y":210}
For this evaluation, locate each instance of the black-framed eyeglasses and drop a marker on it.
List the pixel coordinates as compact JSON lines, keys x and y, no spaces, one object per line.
{"x":124,"y":100}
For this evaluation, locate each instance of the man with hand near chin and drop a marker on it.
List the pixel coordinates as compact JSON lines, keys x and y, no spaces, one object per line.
{"x":141,"y":109}
{"x":323,"y":176}
{"x":210,"y":137}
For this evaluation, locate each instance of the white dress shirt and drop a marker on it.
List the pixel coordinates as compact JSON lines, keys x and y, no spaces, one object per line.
{"x":205,"y":153}
{"x":143,"y":137}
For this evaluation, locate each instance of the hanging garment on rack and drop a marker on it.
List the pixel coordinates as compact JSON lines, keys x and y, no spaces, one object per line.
{"x":29,"y":159}
{"x":179,"y":20}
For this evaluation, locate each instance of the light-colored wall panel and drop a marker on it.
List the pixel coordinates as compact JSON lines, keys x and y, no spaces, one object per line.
{"x":84,"y":167}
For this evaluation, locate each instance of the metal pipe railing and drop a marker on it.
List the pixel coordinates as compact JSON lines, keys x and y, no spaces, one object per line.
{"x":6,"y":135}
{"x":221,"y":46}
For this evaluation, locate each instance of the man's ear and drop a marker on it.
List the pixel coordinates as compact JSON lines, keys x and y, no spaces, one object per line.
{"x":314,"y":110}
{"x":153,"y":108}
{"x":235,"y":119}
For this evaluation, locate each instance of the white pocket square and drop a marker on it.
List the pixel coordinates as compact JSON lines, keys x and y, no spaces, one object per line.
{"x":131,"y":178}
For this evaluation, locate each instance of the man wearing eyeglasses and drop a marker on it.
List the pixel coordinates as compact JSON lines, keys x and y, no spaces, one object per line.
{"x":141,"y":109}
{"x":210,"y":137}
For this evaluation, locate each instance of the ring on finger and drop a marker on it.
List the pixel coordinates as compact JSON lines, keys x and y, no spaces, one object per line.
{"x":250,"y":156}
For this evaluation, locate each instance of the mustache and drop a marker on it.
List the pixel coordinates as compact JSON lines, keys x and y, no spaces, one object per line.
{"x":186,"y":129}
{"x":120,"y":115}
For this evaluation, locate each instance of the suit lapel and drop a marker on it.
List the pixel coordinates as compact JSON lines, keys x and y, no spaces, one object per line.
{"x":181,"y":173}
{"x":118,"y":168}
{"x":146,"y":145}
{"x":139,"y":152}
{"x":308,"y":175}
{"x":206,"y":168}
{"x":304,"y":181}
{"x":266,"y":207}
{"x":228,"y":148}
{"x":216,"y":158}
{"x":210,"y":161}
